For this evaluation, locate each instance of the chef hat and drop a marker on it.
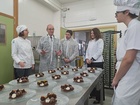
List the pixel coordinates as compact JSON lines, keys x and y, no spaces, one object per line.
{"x":132,"y":5}
{"x":20,"y":28}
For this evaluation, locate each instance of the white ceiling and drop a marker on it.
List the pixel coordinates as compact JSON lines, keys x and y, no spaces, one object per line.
{"x":67,"y":1}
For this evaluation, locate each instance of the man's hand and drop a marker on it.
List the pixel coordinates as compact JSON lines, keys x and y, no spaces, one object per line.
{"x":58,"y":53}
{"x":67,"y":60}
{"x":43,"y":52}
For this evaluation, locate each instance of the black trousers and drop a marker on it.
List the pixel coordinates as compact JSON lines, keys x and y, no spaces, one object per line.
{"x":95,"y":92}
{"x":22,"y":72}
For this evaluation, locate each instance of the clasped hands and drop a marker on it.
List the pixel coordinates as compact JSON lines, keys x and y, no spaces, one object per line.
{"x":88,"y":61}
{"x":22,"y":64}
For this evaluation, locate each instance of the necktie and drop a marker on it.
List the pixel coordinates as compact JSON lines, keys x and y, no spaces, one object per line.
{"x":51,"y":38}
{"x":67,"y":49}
{"x":51,"y":42}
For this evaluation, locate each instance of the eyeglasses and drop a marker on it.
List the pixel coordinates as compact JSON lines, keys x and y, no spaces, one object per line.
{"x":51,"y":29}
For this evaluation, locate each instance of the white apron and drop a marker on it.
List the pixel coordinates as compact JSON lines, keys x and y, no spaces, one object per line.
{"x":128,"y":89}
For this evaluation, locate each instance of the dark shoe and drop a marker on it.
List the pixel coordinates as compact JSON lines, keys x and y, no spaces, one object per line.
{"x":96,"y":102}
{"x":90,"y":97}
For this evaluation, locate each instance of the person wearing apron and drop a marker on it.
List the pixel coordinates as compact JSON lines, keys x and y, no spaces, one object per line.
{"x":126,"y":82}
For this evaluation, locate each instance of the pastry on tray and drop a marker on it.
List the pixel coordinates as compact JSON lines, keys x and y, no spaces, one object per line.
{"x":65,"y":72}
{"x":16,"y":93}
{"x":84,"y":74}
{"x":38,"y":75}
{"x":66,"y":66}
{"x":51,"y":71}
{"x":22,"y":80}
{"x":79,"y":67}
{"x":50,"y":99}
{"x":60,"y":68}
{"x":1,"y":87}
{"x":42,"y":83}
{"x":92,"y":70}
{"x":75,"y":69}
{"x":56,"y":76}
{"x":67,"y":87}
{"x":78,"y":79}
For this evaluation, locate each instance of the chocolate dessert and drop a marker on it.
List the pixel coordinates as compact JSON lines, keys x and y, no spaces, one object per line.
{"x":75,"y":69}
{"x":79,"y":67}
{"x":60,"y":68}
{"x":42,"y":83}
{"x":78,"y":79}
{"x":65,"y":72}
{"x":38,"y":75}
{"x":1,"y":87}
{"x":66,"y":66}
{"x":22,"y":80}
{"x":51,"y":71}
{"x":84,"y":74}
{"x":16,"y":93}
{"x":56,"y":76}
{"x":50,"y":99}
{"x":67,"y":87}
{"x":91,"y":70}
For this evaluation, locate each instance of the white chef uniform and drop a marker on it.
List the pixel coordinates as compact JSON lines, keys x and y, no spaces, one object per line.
{"x":128,"y":89}
{"x":95,"y":50}
{"x":22,"y":52}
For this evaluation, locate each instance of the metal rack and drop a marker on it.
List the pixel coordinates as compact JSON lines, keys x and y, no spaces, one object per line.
{"x":34,"y":41}
{"x":109,"y":54}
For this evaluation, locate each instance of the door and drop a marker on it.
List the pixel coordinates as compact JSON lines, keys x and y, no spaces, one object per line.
{"x":6,"y":35}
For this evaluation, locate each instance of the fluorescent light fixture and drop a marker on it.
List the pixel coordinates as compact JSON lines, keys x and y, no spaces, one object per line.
{"x":53,"y":4}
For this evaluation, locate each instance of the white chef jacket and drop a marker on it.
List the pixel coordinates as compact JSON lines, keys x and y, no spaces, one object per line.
{"x":128,"y":89}
{"x":95,"y":50}
{"x":22,"y":52}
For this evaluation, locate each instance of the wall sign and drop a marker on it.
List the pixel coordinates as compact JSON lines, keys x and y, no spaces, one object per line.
{"x":2,"y":33}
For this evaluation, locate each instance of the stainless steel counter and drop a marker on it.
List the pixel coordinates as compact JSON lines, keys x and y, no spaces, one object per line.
{"x":81,"y":99}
